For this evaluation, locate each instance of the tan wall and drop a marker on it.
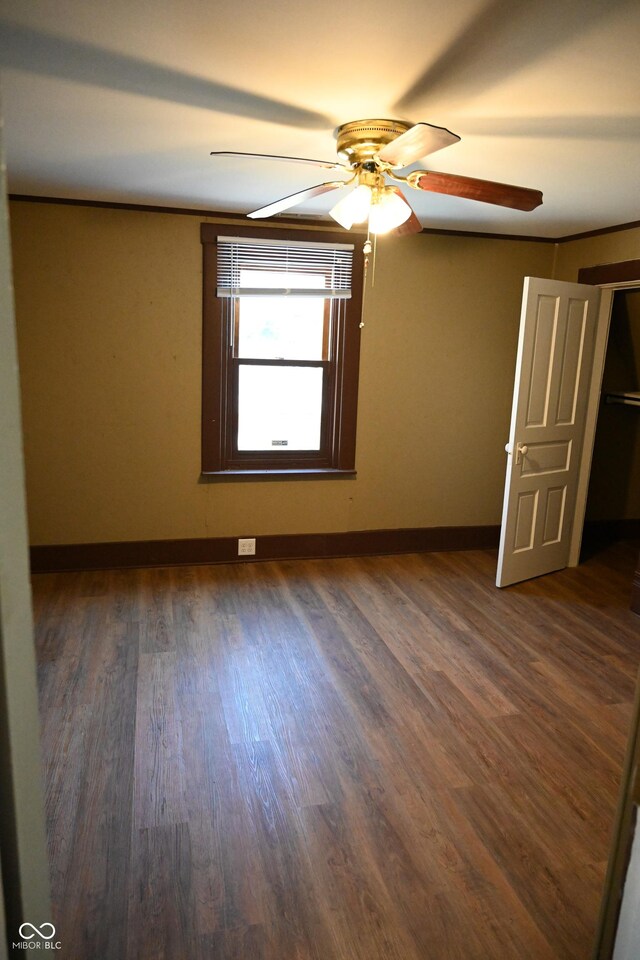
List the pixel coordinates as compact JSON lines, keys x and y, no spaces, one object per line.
{"x":109,"y":321}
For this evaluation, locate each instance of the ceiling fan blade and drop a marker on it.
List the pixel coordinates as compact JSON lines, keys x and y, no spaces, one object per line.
{"x":488,"y":191}
{"x":327,"y":164}
{"x":295,"y":198}
{"x":418,"y":141}
{"x":412,"y":225}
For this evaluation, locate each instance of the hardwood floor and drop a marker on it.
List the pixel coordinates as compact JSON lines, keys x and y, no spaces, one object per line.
{"x":375,"y":759}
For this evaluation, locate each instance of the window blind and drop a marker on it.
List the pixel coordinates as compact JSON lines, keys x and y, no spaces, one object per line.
{"x":267,"y":268}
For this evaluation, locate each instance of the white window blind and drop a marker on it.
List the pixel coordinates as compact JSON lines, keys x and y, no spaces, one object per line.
{"x":266,"y":268}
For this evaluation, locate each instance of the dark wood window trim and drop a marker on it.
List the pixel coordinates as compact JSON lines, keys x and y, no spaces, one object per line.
{"x":336,"y":457}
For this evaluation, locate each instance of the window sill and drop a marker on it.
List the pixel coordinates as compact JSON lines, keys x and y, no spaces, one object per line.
{"x":314,"y":473}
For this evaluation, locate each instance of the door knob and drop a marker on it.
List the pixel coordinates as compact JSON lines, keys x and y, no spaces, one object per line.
{"x":521,"y":450}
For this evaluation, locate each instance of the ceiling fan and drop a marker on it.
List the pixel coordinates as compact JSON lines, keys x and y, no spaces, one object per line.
{"x":371,"y":151}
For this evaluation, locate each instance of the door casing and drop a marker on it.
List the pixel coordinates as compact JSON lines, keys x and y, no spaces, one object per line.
{"x":608,"y":290}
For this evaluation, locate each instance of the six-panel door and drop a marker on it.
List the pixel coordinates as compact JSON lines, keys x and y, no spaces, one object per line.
{"x":553,"y":372}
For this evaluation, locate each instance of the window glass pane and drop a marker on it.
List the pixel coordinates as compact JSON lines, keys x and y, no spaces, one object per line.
{"x":286,"y":328}
{"x":279,"y":408}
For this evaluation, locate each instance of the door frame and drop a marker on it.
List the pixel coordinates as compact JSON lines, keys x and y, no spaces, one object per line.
{"x":610,"y":277}
{"x":24,"y":870}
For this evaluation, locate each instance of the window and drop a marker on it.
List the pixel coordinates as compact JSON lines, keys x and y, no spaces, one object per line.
{"x":281,"y":344}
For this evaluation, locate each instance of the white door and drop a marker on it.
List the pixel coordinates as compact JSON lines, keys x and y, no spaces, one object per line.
{"x":553,"y":373}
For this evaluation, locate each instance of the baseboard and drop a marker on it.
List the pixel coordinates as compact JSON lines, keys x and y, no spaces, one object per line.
{"x":296,"y":546}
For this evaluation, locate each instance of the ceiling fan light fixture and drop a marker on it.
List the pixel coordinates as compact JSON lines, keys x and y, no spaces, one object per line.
{"x":368,"y":151}
{"x":388,"y":210}
{"x":354,"y":208}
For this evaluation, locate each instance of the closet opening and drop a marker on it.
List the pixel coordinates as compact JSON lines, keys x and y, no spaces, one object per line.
{"x":613,"y":499}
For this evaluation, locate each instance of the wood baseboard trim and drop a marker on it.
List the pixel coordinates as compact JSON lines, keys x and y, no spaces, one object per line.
{"x":297,"y":546}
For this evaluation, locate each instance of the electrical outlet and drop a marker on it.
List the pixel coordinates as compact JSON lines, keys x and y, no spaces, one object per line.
{"x":247,"y":547}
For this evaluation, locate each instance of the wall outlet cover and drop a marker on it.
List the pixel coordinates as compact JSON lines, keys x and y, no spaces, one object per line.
{"x":246,"y":546}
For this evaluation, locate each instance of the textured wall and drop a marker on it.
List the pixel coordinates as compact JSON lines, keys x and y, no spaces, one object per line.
{"x":109,"y":322}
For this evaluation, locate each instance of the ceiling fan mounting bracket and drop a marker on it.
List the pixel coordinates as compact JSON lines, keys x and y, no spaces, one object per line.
{"x":359,"y":141}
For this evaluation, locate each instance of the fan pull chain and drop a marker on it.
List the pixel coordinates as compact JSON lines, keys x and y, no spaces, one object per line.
{"x":366,"y":250}
{"x":375,"y":250}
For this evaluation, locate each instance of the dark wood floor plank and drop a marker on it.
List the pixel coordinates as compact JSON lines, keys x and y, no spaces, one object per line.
{"x":160,"y":775}
{"x":154,"y":608}
{"x":419,"y":643}
{"x":302,"y":929}
{"x":64,"y":741}
{"x":244,"y":709}
{"x":207,"y":877}
{"x":502,"y":925}
{"x":247,"y":896}
{"x":547,"y":891}
{"x":368,"y":759}
{"x":99,"y":822}
{"x":363,"y":915}
{"x":160,"y":894}
{"x":352,"y":667}
{"x":237,"y":944}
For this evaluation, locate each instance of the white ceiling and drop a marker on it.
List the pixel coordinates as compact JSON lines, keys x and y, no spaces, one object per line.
{"x":124,"y":100}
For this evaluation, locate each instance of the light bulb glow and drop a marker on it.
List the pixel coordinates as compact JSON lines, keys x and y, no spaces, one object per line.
{"x":354,"y":208}
{"x":388,"y":210}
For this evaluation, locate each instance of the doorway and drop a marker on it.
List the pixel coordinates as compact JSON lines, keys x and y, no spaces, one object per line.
{"x":612,"y":278}
{"x":613,"y":498}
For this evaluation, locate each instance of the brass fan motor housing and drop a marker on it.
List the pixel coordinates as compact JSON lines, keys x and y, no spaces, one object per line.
{"x":360,"y":140}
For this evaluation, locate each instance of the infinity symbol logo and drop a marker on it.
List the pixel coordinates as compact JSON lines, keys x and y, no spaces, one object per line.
{"x":40,"y":932}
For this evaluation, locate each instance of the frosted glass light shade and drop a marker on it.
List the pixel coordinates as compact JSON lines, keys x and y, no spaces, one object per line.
{"x":354,"y":208}
{"x":388,"y":210}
